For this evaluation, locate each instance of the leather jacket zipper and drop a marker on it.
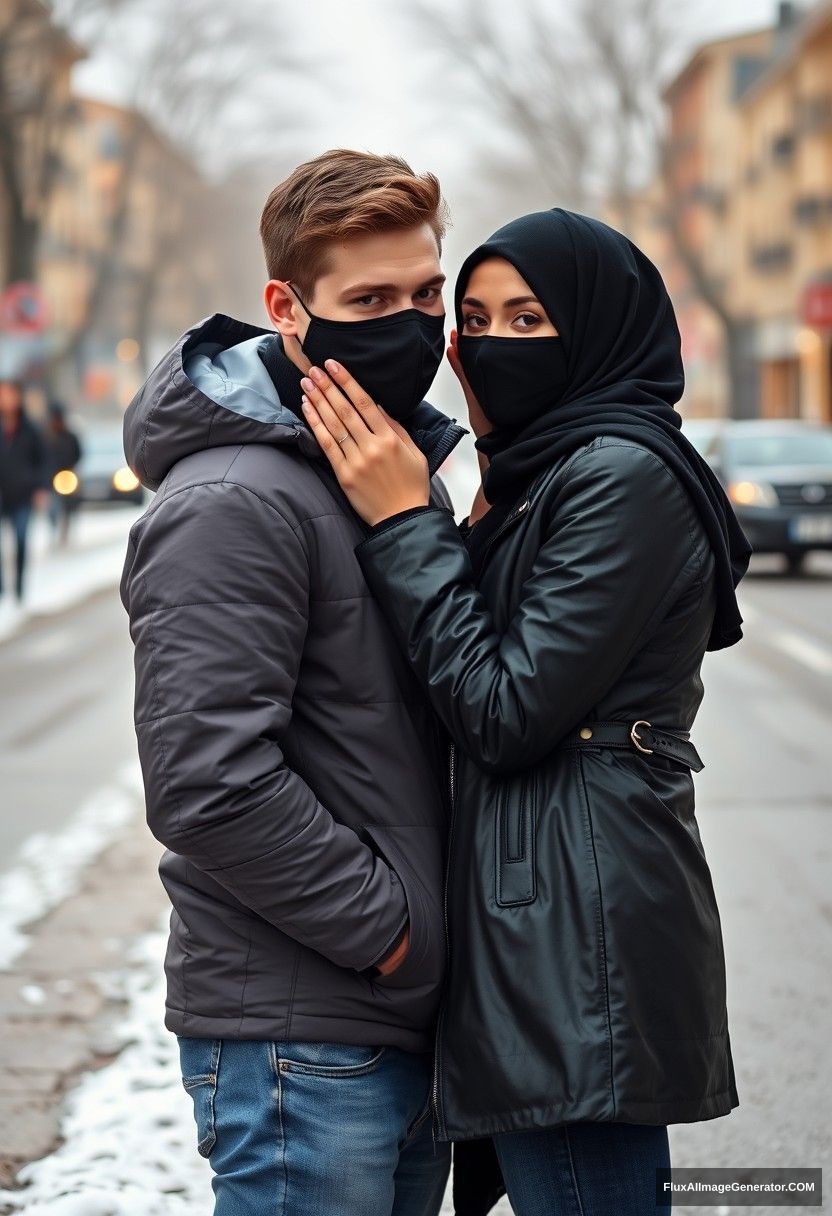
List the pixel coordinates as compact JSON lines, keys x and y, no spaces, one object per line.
{"x":505,"y":525}
{"x":438,"y":1121}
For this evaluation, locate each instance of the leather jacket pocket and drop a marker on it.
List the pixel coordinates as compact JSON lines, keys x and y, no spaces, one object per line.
{"x":515,"y":842}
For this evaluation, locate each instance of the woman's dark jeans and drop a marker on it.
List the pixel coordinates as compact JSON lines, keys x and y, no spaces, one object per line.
{"x":584,"y":1169}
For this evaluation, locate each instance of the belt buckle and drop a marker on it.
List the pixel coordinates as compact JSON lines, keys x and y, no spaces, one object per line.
{"x":636,"y":741}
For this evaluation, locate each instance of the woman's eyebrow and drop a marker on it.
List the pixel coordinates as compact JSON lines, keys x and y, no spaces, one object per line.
{"x":474,"y":303}
{"x":515,"y":300}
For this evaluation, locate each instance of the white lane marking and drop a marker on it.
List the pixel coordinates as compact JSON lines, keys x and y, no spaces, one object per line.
{"x":802,"y":649}
{"x":809,"y":653}
{"x":50,"y":865}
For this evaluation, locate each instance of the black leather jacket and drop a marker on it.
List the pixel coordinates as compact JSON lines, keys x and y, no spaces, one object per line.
{"x":587,"y":977}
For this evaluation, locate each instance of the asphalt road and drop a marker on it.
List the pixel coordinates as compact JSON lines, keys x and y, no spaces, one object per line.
{"x":66,"y":731}
{"x":765,"y":809}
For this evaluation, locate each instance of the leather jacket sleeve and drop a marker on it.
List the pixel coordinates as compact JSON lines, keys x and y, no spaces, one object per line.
{"x":615,"y":545}
{"x":216,"y":583}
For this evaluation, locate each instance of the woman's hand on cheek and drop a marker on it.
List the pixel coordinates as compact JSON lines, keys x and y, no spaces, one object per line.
{"x":479,"y":423}
{"x":378,"y":465}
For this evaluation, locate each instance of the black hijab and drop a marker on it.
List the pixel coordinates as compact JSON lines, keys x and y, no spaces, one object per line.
{"x":611,"y":308}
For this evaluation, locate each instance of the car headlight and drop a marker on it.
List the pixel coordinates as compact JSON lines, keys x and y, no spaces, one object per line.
{"x":65,"y":482}
{"x":752,"y":494}
{"x":125,"y":480}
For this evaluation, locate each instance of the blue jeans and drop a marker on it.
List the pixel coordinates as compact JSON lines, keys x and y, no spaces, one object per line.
{"x":584,"y":1169}
{"x":19,"y":518}
{"x":315,"y":1129}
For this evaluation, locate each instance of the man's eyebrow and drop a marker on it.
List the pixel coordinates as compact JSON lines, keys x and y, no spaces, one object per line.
{"x":366,"y":289}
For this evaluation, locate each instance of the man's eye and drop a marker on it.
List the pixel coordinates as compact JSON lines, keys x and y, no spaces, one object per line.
{"x":427,"y":293}
{"x":368,"y":300}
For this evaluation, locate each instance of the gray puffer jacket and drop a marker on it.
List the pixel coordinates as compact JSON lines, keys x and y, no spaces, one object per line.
{"x":291,"y":764}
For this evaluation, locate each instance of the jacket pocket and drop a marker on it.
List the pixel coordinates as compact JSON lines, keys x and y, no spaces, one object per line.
{"x":424,"y":962}
{"x":199,"y":1060}
{"x":515,"y":843}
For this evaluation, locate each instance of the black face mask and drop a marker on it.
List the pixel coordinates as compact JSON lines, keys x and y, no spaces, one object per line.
{"x":515,"y":380}
{"x":393,"y":358}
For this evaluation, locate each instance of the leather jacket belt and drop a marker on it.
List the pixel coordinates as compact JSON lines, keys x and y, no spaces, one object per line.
{"x":637,"y":736}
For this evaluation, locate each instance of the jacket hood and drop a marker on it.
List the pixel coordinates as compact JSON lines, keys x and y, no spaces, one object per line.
{"x":212,"y":389}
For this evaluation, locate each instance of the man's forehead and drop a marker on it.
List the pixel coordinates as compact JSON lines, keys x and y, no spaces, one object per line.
{"x":406,"y":258}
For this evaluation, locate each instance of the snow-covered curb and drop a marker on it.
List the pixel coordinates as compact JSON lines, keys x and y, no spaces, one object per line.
{"x":50,"y":865}
{"x":129,"y":1138}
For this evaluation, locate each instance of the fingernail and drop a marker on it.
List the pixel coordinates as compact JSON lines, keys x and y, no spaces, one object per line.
{"x":332,"y":366}
{"x":316,"y":374}
{"x":307,"y":385}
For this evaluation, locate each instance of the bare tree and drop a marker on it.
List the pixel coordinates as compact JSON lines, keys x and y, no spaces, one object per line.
{"x":196,"y":72}
{"x":583,"y":94}
{"x":32,"y":110}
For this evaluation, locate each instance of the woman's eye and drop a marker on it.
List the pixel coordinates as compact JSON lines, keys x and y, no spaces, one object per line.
{"x":526,"y":320}
{"x":474,"y":321}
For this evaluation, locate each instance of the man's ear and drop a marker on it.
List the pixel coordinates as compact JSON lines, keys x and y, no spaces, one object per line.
{"x":282,"y":308}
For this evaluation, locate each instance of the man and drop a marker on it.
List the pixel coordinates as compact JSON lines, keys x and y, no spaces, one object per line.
{"x":22,"y":474}
{"x":291,"y":765}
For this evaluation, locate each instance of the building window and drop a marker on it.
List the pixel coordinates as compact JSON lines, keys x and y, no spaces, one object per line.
{"x":782,"y":146}
{"x":771,"y":258}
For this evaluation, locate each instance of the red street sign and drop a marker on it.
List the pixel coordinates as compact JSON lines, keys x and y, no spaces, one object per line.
{"x":816,"y":304}
{"x":22,"y":310}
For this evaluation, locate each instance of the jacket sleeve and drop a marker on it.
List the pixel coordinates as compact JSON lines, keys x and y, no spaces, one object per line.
{"x":216,"y":583}
{"x":616,"y":542}
{"x":40,"y":475}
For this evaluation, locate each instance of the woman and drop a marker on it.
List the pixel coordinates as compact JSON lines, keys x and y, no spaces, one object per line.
{"x":585,"y":1007}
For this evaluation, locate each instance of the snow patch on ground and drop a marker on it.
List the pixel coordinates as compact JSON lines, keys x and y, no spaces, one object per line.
{"x":49,"y":866}
{"x":129,"y":1137}
{"x":59,"y":578}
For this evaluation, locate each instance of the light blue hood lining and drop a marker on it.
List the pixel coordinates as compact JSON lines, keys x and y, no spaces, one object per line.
{"x":236,"y":377}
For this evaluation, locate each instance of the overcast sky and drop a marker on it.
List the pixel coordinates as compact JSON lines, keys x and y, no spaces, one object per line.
{"x":369,"y":83}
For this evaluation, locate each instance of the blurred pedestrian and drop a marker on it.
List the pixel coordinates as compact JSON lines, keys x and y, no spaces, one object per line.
{"x":63,"y":452}
{"x":22,"y":474}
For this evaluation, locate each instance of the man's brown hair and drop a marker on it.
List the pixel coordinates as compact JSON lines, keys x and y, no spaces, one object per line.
{"x":339,"y":195}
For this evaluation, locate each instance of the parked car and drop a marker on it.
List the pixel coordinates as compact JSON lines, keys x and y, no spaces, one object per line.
{"x":102,"y":474}
{"x":701,"y":431}
{"x":778,"y":475}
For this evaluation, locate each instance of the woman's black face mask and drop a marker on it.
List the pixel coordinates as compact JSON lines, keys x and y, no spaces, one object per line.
{"x":515,"y":380}
{"x":394,"y":358}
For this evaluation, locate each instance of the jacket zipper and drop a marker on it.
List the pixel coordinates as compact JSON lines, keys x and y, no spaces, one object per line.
{"x":438,"y":1121}
{"x":507,"y":523}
